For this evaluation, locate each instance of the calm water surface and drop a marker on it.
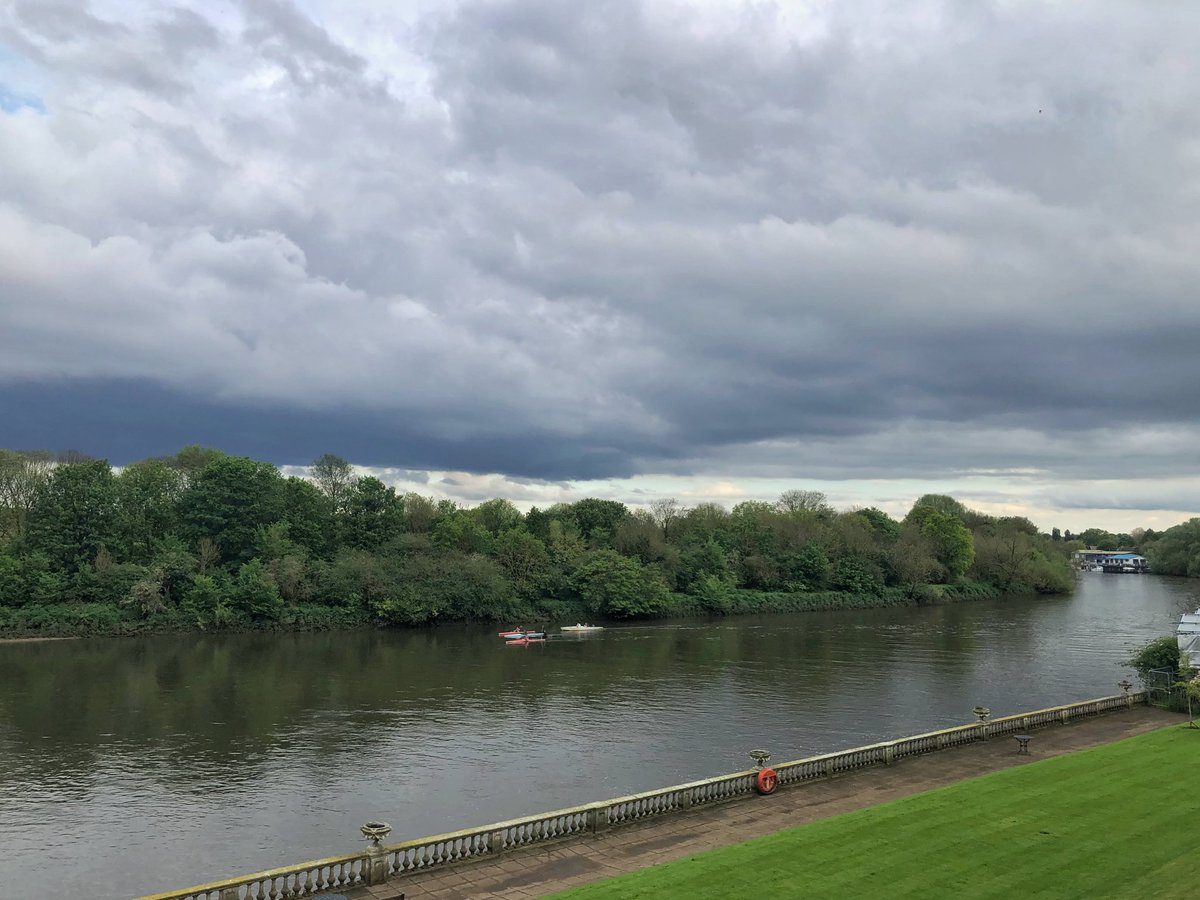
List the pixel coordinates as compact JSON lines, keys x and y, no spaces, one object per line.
{"x":156,"y":763}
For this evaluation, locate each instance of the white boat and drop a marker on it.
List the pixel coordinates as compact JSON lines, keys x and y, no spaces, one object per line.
{"x":578,"y":628}
{"x":1188,"y":637}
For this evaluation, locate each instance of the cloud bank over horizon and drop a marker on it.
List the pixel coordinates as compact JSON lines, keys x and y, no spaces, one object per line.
{"x":697,"y":242}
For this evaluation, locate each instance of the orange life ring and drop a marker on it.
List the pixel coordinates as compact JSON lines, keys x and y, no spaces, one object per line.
{"x":766,"y":781}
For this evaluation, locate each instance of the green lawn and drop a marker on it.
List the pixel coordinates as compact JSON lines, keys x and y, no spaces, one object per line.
{"x":1117,"y":821}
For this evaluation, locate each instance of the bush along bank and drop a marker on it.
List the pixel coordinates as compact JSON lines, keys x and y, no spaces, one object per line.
{"x":206,"y":541}
{"x":103,"y":619}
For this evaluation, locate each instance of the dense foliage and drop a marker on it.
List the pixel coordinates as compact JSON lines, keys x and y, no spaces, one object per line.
{"x":207,"y":540}
{"x":1160,"y":653}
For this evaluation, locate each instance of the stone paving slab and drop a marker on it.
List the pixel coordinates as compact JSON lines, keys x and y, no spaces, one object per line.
{"x":541,"y":870}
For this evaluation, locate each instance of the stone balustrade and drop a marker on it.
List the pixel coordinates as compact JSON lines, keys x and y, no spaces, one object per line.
{"x":375,"y":864}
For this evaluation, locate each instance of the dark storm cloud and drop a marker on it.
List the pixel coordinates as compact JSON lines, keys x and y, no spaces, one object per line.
{"x":124,"y":421}
{"x":564,"y":242}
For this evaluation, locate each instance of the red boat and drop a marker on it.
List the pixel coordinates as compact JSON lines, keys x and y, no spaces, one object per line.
{"x":511,"y":633}
{"x":521,"y":642}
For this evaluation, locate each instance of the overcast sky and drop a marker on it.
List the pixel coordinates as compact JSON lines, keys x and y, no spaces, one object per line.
{"x":543,"y":250}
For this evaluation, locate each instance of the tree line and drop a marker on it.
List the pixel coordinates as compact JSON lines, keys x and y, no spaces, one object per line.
{"x":209,"y":540}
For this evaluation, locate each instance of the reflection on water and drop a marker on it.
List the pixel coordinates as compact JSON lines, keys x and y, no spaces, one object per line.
{"x":161,"y":762}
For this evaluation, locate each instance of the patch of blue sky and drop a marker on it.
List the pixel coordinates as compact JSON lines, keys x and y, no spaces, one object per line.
{"x":12,"y":101}
{"x":21,"y":81}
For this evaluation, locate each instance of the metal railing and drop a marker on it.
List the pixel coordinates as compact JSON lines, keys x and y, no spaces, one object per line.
{"x":375,"y":865}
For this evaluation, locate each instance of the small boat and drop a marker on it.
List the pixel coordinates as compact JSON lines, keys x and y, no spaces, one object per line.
{"x":525,"y":636}
{"x":515,"y":632}
{"x":577,"y":628}
{"x":523,"y":641}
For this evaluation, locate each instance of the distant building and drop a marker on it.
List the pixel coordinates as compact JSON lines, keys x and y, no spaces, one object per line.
{"x":1111,"y":561}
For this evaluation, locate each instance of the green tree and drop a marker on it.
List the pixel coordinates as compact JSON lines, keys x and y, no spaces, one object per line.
{"x":334,"y":477}
{"x":21,"y":475}
{"x":1160,"y":653}
{"x":309,"y":516}
{"x":796,"y":502}
{"x":620,"y":587}
{"x":854,"y":575}
{"x":939,"y":502}
{"x":1098,"y":539}
{"x":285,"y":561}
{"x":228,"y":501}
{"x":206,"y":601}
{"x":194,"y":459}
{"x":714,"y":592}
{"x":752,"y":529}
{"x":74,"y":513}
{"x":641,"y":536}
{"x":462,"y":532}
{"x":148,"y":495}
{"x":12,"y":582}
{"x":255,"y":594}
{"x":1177,"y":550}
{"x":524,"y":561}
{"x":950,"y":540}
{"x":701,"y":561}
{"x":703,"y":522}
{"x":884,"y":526}
{"x":598,"y":519}
{"x":420,"y":514}
{"x":806,"y":569}
{"x":497,"y":516}
{"x":666,"y":513}
{"x":912,"y":560}
{"x":374,"y":515}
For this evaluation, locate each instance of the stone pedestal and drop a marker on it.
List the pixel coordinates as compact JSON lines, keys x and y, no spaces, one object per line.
{"x":375,"y":866}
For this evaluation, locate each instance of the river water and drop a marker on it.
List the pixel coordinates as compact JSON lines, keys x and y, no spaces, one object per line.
{"x":129,"y":766}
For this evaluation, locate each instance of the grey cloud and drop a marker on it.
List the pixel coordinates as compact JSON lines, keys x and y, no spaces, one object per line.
{"x":278,"y":30}
{"x":560,"y":242}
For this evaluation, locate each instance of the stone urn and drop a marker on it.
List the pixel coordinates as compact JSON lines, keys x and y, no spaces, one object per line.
{"x":760,"y":757}
{"x":376,"y":832}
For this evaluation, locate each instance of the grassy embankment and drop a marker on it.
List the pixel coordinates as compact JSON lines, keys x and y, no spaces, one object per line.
{"x":1116,"y":821}
{"x":84,"y":619}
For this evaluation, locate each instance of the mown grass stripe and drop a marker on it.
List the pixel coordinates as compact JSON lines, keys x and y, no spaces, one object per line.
{"x":1105,"y":822}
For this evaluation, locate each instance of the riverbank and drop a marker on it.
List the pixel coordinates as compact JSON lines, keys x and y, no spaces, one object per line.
{"x":547,"y":870}
{"x":109,"y":620}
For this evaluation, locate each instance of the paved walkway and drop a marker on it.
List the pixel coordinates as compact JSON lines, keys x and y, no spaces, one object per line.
{"x":536,"y":871}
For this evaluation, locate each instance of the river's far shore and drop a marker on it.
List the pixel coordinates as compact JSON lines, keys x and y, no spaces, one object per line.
{"x":31,"y":623}
{"x":37,"y":640}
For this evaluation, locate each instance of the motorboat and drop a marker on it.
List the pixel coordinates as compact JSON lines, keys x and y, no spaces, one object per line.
{"x":575,"y":629}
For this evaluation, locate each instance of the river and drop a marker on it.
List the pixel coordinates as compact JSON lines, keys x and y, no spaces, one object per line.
{"x":134,"y":765}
